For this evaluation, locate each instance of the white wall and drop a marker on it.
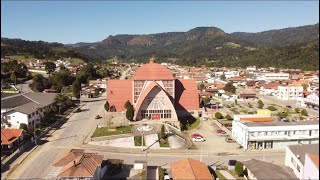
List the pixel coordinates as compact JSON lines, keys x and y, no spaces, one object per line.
{"x":294,"y":163}
{"x":290,"y":92}
{"x":310,"y":171}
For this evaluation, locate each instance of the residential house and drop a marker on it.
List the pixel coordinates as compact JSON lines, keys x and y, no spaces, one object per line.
{"x":269,"y":89}
{"x":271,"y":76}
{"x":312,"y":100}
{"x":102,"y":83}
{"x":190,"y":169}
{"x":76,"y":165}
{"x":261,"y":170}
{"x":298,"y":158}
{"x":11,"y":139}
{"x":26,"y":108}
{"x":228,"y":74}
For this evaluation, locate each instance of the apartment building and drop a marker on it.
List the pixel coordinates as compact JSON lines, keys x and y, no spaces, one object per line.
{"x":290,"y":92}
{"x":265,"y":134}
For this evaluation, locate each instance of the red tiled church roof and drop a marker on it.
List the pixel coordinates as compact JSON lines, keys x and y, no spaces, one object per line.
{"x":186,"y":94}
{"x":119,"y":92}
{"x":190,"y":169}
{"x":153,"y":71}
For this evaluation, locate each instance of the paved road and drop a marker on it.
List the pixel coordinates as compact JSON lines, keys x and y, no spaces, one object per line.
{"x":70,"y":135}
{"x":24,"y":87}
{"x":124,"y":73}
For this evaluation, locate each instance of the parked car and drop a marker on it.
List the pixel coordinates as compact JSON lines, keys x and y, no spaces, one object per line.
{"x":204,"y":118}
{"x":229,"y":140}
{"x":220,"y":131}
{"x":288,"y":106}
{"x":166,"y":177}
{"x":196,"y":135}
{"x":98,"y":117}
{"x":198,"y":139}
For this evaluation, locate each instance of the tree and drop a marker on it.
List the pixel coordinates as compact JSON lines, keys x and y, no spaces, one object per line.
{"x":305,"y":86}
{"x":162,"y":132}
{"x":260,"y":104}
{"x":229,"y":87}
{"x":201,"y":103}
{"x":62,"y":100}
{"x":130,"y":113}
{"x":297,"y":110}
{"x":218,"y":115}
{"x":228,"y":117}
{"x":76,"y":87}
{"x":127,"y":104}
{"x":201,"y":87}
{"x":23,"y":126}
{"x":236,"y":101}
{"x":39,"y":83}
{"x":223,"y":77}
{"x":107,"y":106}
{"x":304,"y":112}
{"x":13,"y":78}
{"x":50,"y":67}
{"x":206,"y":99}
{"x":239,"y":168}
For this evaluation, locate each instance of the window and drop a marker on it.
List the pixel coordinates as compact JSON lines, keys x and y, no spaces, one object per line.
{"x":298,"y":168}
{"x":29,"y":116}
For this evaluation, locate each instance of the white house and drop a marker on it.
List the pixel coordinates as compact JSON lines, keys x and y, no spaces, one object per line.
{"x":26,"y":108}
{"x":290,"y":92}
{"x":269,"y":89}
{"x":251,"y":68}
{"x":271,"y":76}
{"x":228,"y":74}
{"x":274,"y":134}
{"x":298,"y":159}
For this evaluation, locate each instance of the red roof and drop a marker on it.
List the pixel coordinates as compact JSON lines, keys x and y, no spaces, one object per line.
{"x":186,"y":94}
{"x":119,"y":92}
{"x":239,"y":78}
{"x":8,"y":136}
{"x":314,"y":158}
{"x":257,"y":119}
{"x":153,"y":71}
{"x":270,"y":86}
{"x":190,"y":169}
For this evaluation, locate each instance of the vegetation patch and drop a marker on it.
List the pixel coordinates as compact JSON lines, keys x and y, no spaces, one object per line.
{"x":189,"y":123}
{"x":104,"y":131}
{"x":138,"y":141}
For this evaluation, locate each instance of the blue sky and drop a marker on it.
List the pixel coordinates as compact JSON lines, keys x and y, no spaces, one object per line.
{"x":84,"y":21}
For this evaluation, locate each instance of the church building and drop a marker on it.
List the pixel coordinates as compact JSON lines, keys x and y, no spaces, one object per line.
{"x":155,"y":94}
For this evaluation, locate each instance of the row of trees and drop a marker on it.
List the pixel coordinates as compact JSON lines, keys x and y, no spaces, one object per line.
{"x":127,"y":105}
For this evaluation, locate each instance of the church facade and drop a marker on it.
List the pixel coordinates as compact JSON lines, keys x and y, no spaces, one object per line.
{"x":155,"y":94}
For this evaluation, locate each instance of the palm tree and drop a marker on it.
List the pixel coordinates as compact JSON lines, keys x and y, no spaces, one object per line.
{"x":62,"y":100}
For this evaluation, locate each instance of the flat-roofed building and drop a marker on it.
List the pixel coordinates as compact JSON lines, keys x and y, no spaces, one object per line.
{"x":263,"y":133}
{"x":290,"y":92}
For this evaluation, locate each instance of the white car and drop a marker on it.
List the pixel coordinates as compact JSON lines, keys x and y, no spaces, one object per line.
{"x":166,"y":177}
{"x":198,"y":139}
{"x":204,"y":118}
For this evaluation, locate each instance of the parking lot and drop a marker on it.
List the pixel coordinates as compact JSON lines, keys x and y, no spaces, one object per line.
{"x":214,"y":142}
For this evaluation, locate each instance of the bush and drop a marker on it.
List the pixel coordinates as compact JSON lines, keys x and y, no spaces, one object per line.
{"x":162,"y":132}
{"x":260,"y":104}
{"x":228,"y":117}
{"x":272,"y":108}
{"x":239,"y":168}
{"x":218,"y":115}
{"x":130,"y":113}
{"x":228,"y":106}
{"x":107,"y":106}
{"x":282,"y":114}
{"x":297,"y":110}
{"x":249,"y":105}
{"x":304,"y":112}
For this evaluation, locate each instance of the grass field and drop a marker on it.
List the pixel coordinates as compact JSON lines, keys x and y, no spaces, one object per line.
{"x":23,"y":58}
{"x":74,"y":61}
{"x":104,"y":131}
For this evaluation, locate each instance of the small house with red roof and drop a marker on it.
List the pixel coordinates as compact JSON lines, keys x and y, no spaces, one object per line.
{"x":154,"y":93}
{"x":11,"y":138}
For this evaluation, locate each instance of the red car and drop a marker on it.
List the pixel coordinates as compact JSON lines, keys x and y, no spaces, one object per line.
{"x":220,"y":131}
{"x":196,"y":135}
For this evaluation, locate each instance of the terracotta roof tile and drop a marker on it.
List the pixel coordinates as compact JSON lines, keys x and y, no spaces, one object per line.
{"x":79,"y":164}
{"x":190,"y":169}
{"x":8,"y":136}
{"x":119,"y":92}
{"x":186,"y":94}
{"x":153,"y":71}
{"x":314,"y":158}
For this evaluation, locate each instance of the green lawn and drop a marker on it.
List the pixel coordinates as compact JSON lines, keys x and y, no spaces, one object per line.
{"x":138,"y":141}
{"x":234,"y":174}
{"x":164,"y":142}
{"x":74,"y":61}
{"x":194,"y":125}
{"x":104,"y":131}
